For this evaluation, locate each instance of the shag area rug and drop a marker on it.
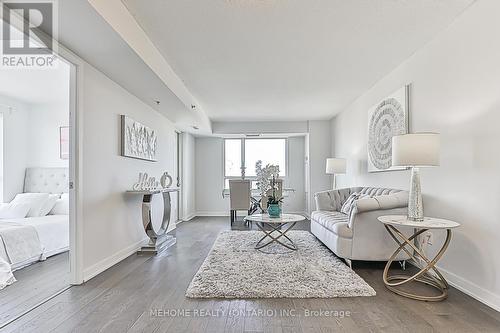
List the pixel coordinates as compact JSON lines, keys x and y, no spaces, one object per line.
{"x":234,"y":269}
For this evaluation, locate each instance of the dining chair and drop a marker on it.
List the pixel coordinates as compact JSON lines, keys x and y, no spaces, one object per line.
{"x":239,"y":196}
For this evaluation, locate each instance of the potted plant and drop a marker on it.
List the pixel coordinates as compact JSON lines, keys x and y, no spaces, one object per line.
{"x":274,"y":201}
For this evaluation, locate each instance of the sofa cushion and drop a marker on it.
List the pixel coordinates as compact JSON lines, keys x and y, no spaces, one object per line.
{"x":334,"y":221}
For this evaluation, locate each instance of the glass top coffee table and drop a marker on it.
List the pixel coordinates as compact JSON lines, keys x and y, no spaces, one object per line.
{"x":275,"y":229}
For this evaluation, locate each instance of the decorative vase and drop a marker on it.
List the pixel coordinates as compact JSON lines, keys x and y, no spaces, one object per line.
{"x":166,"y":180}
{"x":274,"y":210}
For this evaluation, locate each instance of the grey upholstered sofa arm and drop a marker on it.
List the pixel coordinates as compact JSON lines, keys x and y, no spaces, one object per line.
{"x":382,"y":202}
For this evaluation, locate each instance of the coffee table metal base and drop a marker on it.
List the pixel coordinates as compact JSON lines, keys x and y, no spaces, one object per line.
{"x":275,"y":234}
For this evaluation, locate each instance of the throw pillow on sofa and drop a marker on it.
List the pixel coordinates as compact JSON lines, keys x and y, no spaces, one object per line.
{"x":348,"y":205}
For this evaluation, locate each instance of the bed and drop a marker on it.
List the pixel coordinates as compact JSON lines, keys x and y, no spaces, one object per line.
{"x":28,"y":240}
{"x":52,"y":232}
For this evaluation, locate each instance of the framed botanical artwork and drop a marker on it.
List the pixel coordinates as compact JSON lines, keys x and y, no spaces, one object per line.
{"x":64,"y":142}
{"x":138,"y":140}
{"x":386,"y":119}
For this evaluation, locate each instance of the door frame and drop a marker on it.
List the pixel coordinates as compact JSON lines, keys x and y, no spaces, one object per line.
{"x":76,"y":113}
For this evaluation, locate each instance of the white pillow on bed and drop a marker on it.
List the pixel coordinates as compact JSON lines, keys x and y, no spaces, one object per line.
{"x":62,"y":206}
{"x":36,"y":201}
{"x":14,"y":211}
{"x":49,"y":204}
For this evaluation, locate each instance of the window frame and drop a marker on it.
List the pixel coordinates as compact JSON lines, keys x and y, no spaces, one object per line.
{"x":242,"y":159}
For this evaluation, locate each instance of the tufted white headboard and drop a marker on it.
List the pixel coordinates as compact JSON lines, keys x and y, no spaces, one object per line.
{"x":46,"y":180}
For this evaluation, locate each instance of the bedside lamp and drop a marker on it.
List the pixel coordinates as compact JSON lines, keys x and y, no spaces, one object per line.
{"x":335,"y":166}
{"x":415,"y":150}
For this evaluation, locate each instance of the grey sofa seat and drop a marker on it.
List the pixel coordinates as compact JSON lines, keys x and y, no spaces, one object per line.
{"x":334,"y":221}
{"x":359,"y":236}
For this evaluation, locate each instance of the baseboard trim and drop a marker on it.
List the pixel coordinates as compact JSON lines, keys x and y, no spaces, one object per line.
{"x":208,"y":213}
{"x":171,"y":226}
{"x":226,"y":214}
{"x":188,"y":218}
{"x":300,"y":213}
{"x":473,"y":290}
{"x":110,"y":261}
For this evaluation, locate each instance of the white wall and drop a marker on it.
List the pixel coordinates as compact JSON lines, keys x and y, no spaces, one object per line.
{"x":295,"y":202}
{"x":112,"y":223}
{"x":43,"y":132}
{"x":31,"y":131}
{"x":209,"y":176}
{"x":455,"y":91}
{"x":259,"y":127}
{"x":319,"y":150}
{"x":188,"y":177}
{"x":15,"y":143}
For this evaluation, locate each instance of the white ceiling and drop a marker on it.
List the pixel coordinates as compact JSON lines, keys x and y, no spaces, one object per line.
{"x":86,"y":33}
{"x":287,"y":59}
{"x":36,"y":86}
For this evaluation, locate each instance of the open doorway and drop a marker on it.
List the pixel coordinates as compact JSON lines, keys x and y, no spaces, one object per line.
{"x":34,"y":186}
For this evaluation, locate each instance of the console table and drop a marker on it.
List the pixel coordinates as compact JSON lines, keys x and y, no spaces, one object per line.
{"x":159,"y":240}
{"x":429,"y":274}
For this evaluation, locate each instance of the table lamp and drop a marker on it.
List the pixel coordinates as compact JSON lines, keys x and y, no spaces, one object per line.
{"x":415,"y":151}
{"x":335,"y":166}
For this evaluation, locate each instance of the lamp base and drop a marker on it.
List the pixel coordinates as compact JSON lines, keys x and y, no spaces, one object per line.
{"x":415,"y":203}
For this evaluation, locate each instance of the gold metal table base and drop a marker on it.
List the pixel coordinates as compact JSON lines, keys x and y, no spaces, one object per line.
{"x":428,"y":275}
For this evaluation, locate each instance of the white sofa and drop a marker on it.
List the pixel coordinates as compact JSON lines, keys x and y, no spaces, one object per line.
{"x":359,"y":236}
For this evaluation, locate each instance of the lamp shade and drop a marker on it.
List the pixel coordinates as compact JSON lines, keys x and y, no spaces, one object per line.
{"x":335,"y":165}
{"x":418,"y":149}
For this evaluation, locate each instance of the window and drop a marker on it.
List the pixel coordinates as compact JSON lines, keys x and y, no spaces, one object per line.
{"x":232,"y":153}
{"x":241,"y":155}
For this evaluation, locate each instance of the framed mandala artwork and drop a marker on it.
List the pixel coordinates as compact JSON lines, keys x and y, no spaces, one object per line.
{"x":386,"y":119}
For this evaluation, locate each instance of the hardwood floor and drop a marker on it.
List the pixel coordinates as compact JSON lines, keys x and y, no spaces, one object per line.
{"x":131,"y":296}
{"x":35,"y":283}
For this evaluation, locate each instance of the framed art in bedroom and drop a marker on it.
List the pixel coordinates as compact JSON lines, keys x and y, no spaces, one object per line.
{"x":387,"y":118}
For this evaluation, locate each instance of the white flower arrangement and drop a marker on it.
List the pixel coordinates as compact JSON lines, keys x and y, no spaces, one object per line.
{"x":264,"y":176}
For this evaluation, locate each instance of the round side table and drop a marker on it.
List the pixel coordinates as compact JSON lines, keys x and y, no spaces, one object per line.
{"x":429,"y":274}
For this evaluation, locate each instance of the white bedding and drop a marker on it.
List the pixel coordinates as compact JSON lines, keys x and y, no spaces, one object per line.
{"x":53,"y":232}
{"x":6,"y":276}
{"x":20,"y":242}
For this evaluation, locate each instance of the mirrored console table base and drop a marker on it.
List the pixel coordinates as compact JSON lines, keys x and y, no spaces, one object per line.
{"x":161,"y":244}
